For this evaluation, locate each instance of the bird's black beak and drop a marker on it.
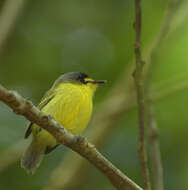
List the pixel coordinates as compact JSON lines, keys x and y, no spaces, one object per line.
{"x":97,"y":81}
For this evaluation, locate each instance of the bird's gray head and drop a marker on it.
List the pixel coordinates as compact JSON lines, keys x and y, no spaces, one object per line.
{"x":73,"y":77}
{"x":77,"y":78}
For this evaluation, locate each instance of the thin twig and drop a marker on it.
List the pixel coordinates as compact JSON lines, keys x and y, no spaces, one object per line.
{"x":138,"y":77}
{"x":79,"y":144}
{"x":155,"y":156}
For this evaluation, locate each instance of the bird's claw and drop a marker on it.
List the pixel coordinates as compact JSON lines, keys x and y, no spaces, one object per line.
{"x":79,"y":139}
{"x":50,"y":116}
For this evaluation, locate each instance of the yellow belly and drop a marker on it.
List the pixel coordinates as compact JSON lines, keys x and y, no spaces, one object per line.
{"x":71,"y":107}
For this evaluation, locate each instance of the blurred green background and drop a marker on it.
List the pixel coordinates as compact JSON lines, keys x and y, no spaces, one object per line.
{"x":96,"y":37}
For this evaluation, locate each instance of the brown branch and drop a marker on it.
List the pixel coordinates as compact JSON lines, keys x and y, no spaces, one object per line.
{"x":97,"y":137}
{"x":79,"y":144}
{"x":138,"y":77}
{"x":155,"y":156}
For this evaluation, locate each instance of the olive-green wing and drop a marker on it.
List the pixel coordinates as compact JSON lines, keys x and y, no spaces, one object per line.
{"x":44,"y":101}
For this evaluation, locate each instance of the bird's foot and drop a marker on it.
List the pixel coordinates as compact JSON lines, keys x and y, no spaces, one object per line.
{"x":50,"y":116}
{"x":79,"y":139}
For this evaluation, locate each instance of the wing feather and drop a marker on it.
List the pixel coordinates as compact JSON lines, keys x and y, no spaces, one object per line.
{"x":49,"y":95}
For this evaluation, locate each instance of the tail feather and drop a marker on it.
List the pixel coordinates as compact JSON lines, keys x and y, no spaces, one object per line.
{"x":32,"y":157}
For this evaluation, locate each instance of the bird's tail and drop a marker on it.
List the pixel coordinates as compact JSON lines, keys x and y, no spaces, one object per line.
{"x":32,"y":157}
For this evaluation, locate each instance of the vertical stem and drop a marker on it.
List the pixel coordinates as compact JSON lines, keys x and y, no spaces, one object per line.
{"x":154,"y":145}
{"x":155,"y":155}
{"x":138,"y":78}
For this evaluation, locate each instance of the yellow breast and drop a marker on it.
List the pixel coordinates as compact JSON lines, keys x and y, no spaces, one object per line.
{"x":71,"y":107}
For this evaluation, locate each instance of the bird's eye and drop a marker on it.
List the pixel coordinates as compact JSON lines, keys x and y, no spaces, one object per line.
{"x":83,"y":81}
{"x":82,"y":78}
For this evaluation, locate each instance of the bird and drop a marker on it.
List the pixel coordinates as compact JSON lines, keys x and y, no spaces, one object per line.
{"x":70,"y":102}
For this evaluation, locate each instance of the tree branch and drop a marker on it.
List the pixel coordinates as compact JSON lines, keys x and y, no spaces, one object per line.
{"x":138,"y":77}
{"x":155,"y":156}
{"x":79,"y":144}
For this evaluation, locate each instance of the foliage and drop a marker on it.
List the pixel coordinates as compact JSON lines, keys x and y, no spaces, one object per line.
{"x":97,"y":37}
